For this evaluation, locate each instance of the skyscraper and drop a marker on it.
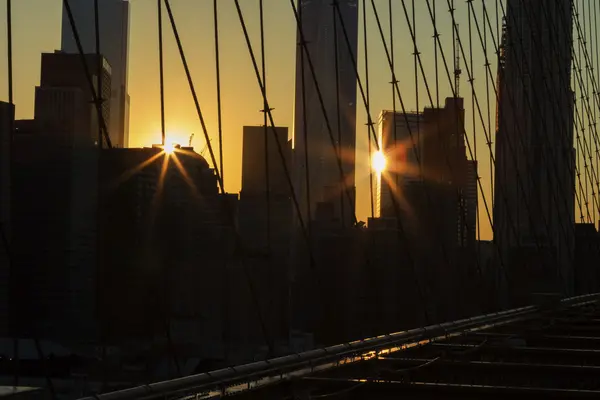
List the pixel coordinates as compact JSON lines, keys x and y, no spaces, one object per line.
{"x":255,"y":159}
{"x":534,"y":197}
{"x":319,"y":181}
{"x":114,"y":46}
{"x":399,"y":141}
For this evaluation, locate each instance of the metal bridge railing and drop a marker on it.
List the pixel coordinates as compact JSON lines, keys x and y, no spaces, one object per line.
{"x":251,"y":376}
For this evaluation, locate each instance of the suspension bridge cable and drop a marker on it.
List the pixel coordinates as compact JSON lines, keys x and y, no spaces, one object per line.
{"x":366,"y":61}
{"x":225,"y":305}
{"x":304,"y":124}
{"x":338,"y":148}
{"x":393,"y":82}
{"x":415,"y":62}
{"x":167,"y":323}
{"x":488,"y":104}
{"x":99,"y":65}
{"x":227,"y":206}
{"x":161,"y":78}
{"x":267,"y":170}
{"x":475,"y":160}
{"x":88,"y":75}
{"x":218,"y":78}
{"x":11,"y":126}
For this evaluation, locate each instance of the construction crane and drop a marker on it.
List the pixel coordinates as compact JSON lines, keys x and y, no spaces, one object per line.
{"x":457,"y":70}
{"x":203,"y":151}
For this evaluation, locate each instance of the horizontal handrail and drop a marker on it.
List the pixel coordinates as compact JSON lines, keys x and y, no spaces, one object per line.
{"x":281,"y":368}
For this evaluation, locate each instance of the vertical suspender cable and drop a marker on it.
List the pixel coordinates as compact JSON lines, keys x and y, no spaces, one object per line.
{"x":161,"y":74}
{"x":270,"y":270}
{"x":218,"y":76}
{"x":487,"y":91}
{"x":304,"y":121}
{"x":225,"y":324}
{"x":163,"y":138}
{"x":227,"y":205}
{"x":2,"y":231}
{"x":338,"y":148}
{"x":415,"y":59}
{"x":99,"y":65}
{"x":369,"y":122}
{"x":393,"y":82}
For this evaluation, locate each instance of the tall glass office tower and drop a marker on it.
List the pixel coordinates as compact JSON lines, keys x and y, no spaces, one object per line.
{"x":114,"y":45}
{"x":322,"y":191}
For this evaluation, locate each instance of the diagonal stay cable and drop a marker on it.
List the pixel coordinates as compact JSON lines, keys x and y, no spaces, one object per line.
{"x":88,"y":76}
{"x":272,"y":126}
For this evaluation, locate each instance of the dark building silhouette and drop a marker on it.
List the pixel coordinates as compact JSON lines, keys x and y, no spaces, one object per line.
{"x":469,"y":206}
{"x":55,"y":187}
{"x":534,"y":179}
{"x":7,"y":113}
{"x":587,"y":259}
{"x":316,"y":157}
{"x":444,"y":175}
{"x":64,"y":99}
{"x":400,"y":140}
{"x":164,"y":245}
{"x":265,"y":222}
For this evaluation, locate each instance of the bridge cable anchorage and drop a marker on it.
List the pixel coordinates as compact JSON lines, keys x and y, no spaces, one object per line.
{"x":240,"y":250}
{"x":96,"y":97}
